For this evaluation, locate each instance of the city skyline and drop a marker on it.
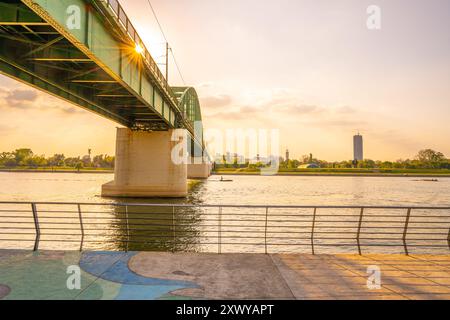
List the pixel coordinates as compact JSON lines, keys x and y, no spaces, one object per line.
{"x":320,"y":87}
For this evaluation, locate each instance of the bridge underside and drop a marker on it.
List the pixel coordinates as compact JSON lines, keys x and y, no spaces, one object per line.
{"x":97,"y":66}
{"x":34,"y":52}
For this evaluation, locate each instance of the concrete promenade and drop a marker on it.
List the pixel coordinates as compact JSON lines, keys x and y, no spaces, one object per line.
{"x":145,"y":275}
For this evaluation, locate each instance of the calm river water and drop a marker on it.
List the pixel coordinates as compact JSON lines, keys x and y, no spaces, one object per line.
{"x":276,"y":190}
{"x":243,"y":230}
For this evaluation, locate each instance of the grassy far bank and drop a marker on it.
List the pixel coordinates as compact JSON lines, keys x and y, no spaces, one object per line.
{"x":341,"y":171}
{"x":256,"y":171}
{"x":56,"y":169}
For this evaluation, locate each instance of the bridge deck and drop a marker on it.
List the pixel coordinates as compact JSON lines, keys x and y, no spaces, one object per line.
{"x":114,"y":275}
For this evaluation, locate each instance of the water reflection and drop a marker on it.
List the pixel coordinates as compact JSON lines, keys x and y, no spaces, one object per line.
{"x":161,"y":228}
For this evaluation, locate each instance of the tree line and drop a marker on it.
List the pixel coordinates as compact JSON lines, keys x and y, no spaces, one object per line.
{"x":425,"y":159}
{"x":26,"y":158}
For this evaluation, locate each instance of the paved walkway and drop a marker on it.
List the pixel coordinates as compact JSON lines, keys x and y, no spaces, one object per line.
{"x":144,"y":275}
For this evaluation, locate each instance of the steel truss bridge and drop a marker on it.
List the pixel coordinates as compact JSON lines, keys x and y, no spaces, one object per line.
{"x":87,"y":52}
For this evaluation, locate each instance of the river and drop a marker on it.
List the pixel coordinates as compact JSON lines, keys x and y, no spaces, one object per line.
{"x":197,"y":230}
{"x":257,"y":190}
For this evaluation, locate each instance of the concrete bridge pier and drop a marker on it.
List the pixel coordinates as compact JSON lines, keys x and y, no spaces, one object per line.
{"x":144,"y":166}
{"x":199,"y":168}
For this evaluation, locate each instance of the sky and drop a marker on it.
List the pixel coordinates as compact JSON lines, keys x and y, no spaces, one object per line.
{"x":310,"y":68}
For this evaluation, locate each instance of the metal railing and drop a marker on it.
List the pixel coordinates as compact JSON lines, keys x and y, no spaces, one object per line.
{"x":223,"y":228}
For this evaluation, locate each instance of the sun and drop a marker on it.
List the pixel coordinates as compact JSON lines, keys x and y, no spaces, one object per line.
{"x":139,"y":49}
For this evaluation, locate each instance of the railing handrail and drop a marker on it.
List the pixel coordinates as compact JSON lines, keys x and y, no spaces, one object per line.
{"x":223,"y":231}
{"x":262,"y":206}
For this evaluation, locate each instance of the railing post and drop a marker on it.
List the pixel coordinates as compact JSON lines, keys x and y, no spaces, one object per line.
{"x":118,"y":13}
{"x":312,"y":230}
{"x":173,"y":230}
{"x":128,"y":228}
{"x":36,"y":226}
{"x":359,"y":229}
{"x":448,"y":238}
{"x":81,"y":227}
{"x":405,"y":231}
{"x":219,"y":231}
{"x":265,"y":230}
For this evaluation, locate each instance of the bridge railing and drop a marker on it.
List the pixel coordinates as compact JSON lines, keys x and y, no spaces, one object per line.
{"x":224,"y":228}
{"x":123,"y":20}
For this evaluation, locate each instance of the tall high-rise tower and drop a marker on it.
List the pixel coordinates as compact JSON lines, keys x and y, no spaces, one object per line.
{"x":358,"y":153}
{"x":287,"y":154}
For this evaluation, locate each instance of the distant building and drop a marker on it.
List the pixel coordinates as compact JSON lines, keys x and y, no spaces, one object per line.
{"x":358,"y":153}
{"x":287,"y":155}
{"x":238,"y":158}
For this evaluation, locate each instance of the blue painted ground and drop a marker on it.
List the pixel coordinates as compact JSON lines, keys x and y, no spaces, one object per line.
{"x":104,"y":275}
{"x":113,"y":267}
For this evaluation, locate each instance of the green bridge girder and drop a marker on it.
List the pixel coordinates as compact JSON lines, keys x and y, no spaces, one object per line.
{"x":93,"y":64}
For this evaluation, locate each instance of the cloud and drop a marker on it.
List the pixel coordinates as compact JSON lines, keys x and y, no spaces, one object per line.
{"x":393,"y":137}
{"x":217,"y":101}
{"x":249,"y":110}
{"x":266,"y":111}
{"x":70,"y":109}
{"x":3,"y":92}
{"x":204,"y":85}
{"x":23,"y":99}
{"x":289,"y":113}
{"x":340,"y":123}
{"x":5,"y":129}
{"x":240,"y":113}
{"x":345,"y":110}
{"x":20,"y":98}
{"x":297,"y":109}
{"x":233,"y":115}
{"x":281,"y":108}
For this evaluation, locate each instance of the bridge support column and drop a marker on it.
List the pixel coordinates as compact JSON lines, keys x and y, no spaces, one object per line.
{"x":144,"y":166}
{"x":199,"y":169}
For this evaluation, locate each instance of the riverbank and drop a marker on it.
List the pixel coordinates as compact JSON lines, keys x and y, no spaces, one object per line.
{"x":342,"y":172}
{"x":58,"y":170}
{"x":244,"y":172}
